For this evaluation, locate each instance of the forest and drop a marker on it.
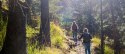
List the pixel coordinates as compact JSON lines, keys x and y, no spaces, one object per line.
{"x":44,"y":26}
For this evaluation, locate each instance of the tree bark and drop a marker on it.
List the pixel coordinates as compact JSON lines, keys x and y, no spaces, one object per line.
{"x":114,"y":29}
{"x":44,"y":38}
{"x":102,"y":35}
{"x":29,"y":19}
{"x":15,"y":40}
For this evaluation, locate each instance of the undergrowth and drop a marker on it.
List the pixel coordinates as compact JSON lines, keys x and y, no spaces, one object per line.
{"x":3,"y":25}
{"x":57,"y":41}
{"x":107,"y":49}
{"x":57,"y":36}
{"x":2,"y":36}
{"x":96,"y":41}
{"x":31,"y":32}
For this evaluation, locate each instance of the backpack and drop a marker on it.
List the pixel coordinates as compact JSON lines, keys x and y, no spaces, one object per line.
{"x":86,"y":37}
{"x":74,"y":27}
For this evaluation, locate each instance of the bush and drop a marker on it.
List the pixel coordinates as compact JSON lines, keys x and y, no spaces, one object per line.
{"x":57,"y":40}
{"x":30,"y":32}
{"x":2,"y":36}
{"x":3,"y":26}
{"x":108,"y":50}
{"x":57,"y":35}
{"x":96,"y":41}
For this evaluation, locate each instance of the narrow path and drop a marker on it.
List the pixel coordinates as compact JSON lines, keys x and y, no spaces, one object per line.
{"x":79,"y":49}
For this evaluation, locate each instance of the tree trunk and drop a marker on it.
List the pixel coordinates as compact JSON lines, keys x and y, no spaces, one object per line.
{"x":29,"y":19}
{"x":44,"y":38}
{"x":102,"y":35}
{"x":114,"y":16}
{"x":15,"y":40}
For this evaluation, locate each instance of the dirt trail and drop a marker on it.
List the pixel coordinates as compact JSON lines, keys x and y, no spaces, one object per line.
{"x":77,"y":49}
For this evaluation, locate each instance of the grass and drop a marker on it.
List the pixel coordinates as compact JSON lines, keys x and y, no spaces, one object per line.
{"x":33,"y":49}
{"x":31,"y":31}
{"x":57,"y":36}
{"x":108,"y":50}
{"x":57,"y":41}
{"x":2,"y":36}
{"x":3,"y":26}
{"x":96,"y":41}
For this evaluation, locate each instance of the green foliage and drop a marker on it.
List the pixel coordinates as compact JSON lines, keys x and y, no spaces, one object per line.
{"x":54,"y":10}
{"x":1,"y":21}
{"x":32,"y":48}
{"x":45,"y":50}
{"x":2,"y":30}
{"x":53,"y":5}
{"x":57,"y":35}
{"x":30,"y":32}
{"x":4,"y":5}
{"x":35,"y":6}
{"x":2,"y":36}
{"x":108,"y":50}
{"x":57,"y":40}
{"x":96,"y":41}
{"x":3,"y":25}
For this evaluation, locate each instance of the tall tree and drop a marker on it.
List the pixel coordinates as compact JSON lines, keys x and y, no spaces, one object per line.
{"x":91,"y":21}
{"x":15,"y":40}
{"x":29,"y":19}
{"x":102,"y":36}
{"x":44,"y":38}
{"x":117,"y":15}
{"x":85,"y":8}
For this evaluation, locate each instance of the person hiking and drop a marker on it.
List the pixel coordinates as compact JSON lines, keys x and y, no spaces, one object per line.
{"x":74,"y":29}
{"x":86,"y":40}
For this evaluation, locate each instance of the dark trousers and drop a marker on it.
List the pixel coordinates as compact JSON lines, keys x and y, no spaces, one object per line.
{"x":75,"y":36}
{"x":87,"y":48}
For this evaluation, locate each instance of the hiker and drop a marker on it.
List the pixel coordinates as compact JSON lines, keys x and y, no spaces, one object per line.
{"x":86,"y":40}
{"x":74,"y":29}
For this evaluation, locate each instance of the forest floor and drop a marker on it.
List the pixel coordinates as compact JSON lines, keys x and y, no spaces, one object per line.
{"x":79,"y":48}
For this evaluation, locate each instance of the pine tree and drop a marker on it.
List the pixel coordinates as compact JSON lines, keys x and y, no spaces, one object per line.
{"x":44,"y":38}
{"x":15,"y":40}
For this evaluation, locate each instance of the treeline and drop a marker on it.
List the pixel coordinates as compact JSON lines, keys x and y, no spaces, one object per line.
{"x":113,"y":16}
